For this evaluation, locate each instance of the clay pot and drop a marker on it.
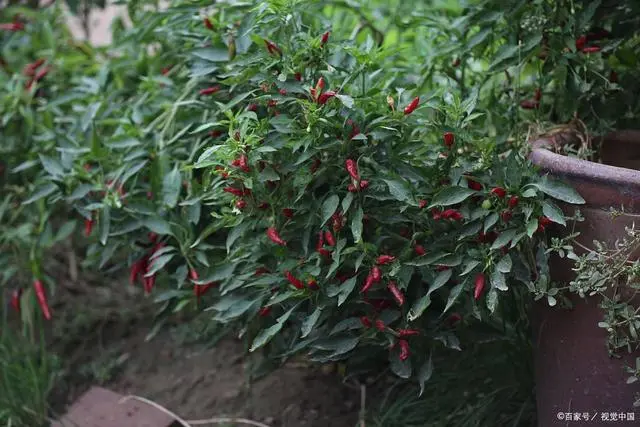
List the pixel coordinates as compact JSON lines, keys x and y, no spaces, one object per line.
{"x":574,"y":372}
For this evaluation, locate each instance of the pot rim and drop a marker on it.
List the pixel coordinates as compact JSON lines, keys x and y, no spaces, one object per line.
{"x":582,"y":171}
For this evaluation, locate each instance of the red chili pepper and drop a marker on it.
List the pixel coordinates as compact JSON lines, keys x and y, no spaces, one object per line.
{"x":452,"y":214}
{"x":320,"y":242}
{"x":293,"y":280}
{"x":264,"y":311}
{"x":591,"y":49}
{"x":581,"y":42}
{"x":544,"y":221}
{"x":313,"y":284}
{"x":324,"y":252}
{"x":325,"y":38}
{"x":193,"y":274}
{"x":422,"y":204}
{"x":165,"y":70}
{"x":273,"y":235}
{"x":215,"y":133}
{"x":368,"y":283}
{"x":613,"y":77}
{"x":436,"y":214}
{"x":322,"y":99}
{"x":538,"y":94}
{"x":442,"y":267}
{"x":15,"y":299}
{"x":407,"y":332}
{"x":12,"y":26}
{"x":513,"y":202}
{"x":397,"y":293}
{"x":41,"y":295}
{"x":404,"y":350}
{"x":252,"y":107}
{"x":474,"y":185}
{"x":272,"y":103}
{"x":88,"y":226}
{"x":499,"y":192}
{"x":412,"y":106}
{"x":149,"y":283}
{"x":315,"y":165}
{"x":479,"y":286}
{"x":380,"y":325}
{"x":454,"y":318}
{"x":208,"y":23}
{"x":449,"y":139}
{"x":282,"y":92}
{"x":376,"y":273}
{"x":260,"y":271}
{"x":199,"y":290}
{"x":506,"y":215}
{"x":241,"y":204}
{"x":298,"y":77}
{"x":365,"y":322}
{"x":243,"y":162}
{"x":331,"y":241}
{"x":272,"y":48}
{"x":235,"y":191}
{"x":364,"y":184}
{"x":352,"y":188}
{"x":337,"y":221}
{"x":529,"y":104}
{"x":419,"y":250}
{"x":319,"y":86}
{"x":488,"y":237}
{"x":30,"y":69}
{"x":287,"y":212}
{"x":385,"y":259}
{"x":209,"y":90}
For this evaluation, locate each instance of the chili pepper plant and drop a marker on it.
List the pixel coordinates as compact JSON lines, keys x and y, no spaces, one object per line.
{"x":304,"y":176}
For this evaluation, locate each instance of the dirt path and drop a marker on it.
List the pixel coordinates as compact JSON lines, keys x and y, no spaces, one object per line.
{"x":198,"y":382}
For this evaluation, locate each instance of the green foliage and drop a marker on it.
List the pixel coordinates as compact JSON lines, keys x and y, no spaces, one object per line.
{"x":183,"y":144}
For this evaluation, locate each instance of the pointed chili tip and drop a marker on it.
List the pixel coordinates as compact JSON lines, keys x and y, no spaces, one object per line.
{"x":412,"y":106}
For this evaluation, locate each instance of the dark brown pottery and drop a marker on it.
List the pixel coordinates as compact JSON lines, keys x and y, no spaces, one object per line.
{"x":574,"y":372}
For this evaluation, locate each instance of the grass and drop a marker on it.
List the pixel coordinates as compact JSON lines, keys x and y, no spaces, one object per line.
{"x":486,"y":385}
{"x":27,"y":373}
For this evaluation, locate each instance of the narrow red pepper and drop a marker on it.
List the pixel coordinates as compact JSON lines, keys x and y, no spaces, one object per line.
{"x":376,"y":274}
{"x":513,"y":202}
{"x":41,"y":295}
{"x":287,"y":212}
{"x":479,"y":286}
{"x":364,"y":184}
{"x":613,"y":77}
{"x":260,"y":271}
{"x":337,"y":221}
{"x":581,"y":42}
{"x":241,"y":204}
{"x":324,"y":252}
{"x":208,"y":24}
{"x":397,"y":293}
{"x":407,"y":332}
{"x":243,"y":162}
{"x":331,"y":241}
{"x":30,"y":69}
{"x":264,"y":311}
{"x":209,"y":90}
{"x":293,"y":280}
{"x":454,"y":318}
{"x":380,"y":325}
{"x":298,"y":77}
{"x":320,"y":242}
{"x":529,"y":104}
{"x":538,"y":94}
{"x":282,"y":92}
{"x":368,"y":283}
{"x":436,"y":214}
{"x":591,"y":49}
{"x":412,"y":106}
{"x":193,"y":274}
{"x":235,"y":191}
{"x":419,"y":250}
{"x":88,"y":226}
{"x":499,"y":192}
{"x":474,"y":185}
{"x":15,"y":299}
{"x":273,"y":235}
{"x":324,"y":39}
{"x":352,"y":188}
{"x":322,"y":99}
{"x":12,"y":26}
{"x":404,"y":350}
{"x":506,"y":216}
{"x":449,"y":139}
{"x":385,"y":259}
{"x":366,"y":322}
{"x":149,"y":283}
{"x":315,"y":165}
{"x":272,"y":48}
{"x":543,"y":220}
{"x":452,"y":214}
{"x":422,"y":204}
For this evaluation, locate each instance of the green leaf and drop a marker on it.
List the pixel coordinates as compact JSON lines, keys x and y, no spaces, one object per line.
{"x":158,"y":226}
{"x":398,"y":190}
{"x":356,"y":225}
{"x":453,"y":296}
{"x":401,"y":368}
{"x":65,"y":231}
{"x":498,"y":281}
{"x":492,"y":300}
{"x":451,"y":196}
{"x":346,"y":202}
{"x":267,"y":334}
{"x":235,"y":233}
{"x":490,"y":221}
{"x":559,"y":190}
{"x":345,"y":290}
{"x":41,"y":192}
{"x":52,"y":166}
{"x":337,"y":345}
{"x":553,"y":212}
{"x":158,"y":263}
{"x":212,"y":54}
{"x":104,"y":224}
{"x":424,"y":374}
{"x":503,"y":238}
{"x":532,"y":226}
{"x":505,"y":264}
{"x":329,"y":207}
{"x":171,"y":187}
{"x":346,"y":100}
{"x":89,"y":115}
{"x":469,"y":266}
{"x":310,"y":322}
